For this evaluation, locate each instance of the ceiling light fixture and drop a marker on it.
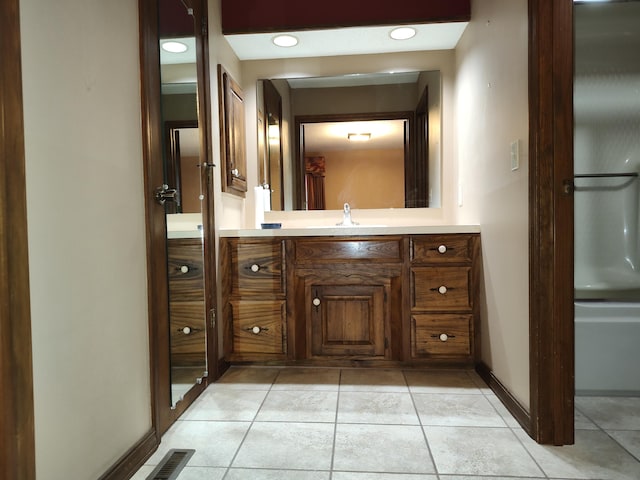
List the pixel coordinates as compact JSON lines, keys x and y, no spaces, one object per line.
{"x":359,"y":137}
{"x":285,"y":41}
{"x":174,"y":47}
{"x":402,"y":33}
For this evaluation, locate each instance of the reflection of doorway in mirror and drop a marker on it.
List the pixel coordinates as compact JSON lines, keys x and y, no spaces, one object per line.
{"x":189,"y":161}
{"x":370,"y":173}
{"x":314,"y":170}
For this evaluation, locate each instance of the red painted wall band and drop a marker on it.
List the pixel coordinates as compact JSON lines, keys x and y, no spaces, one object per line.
{"x":257,"y":16}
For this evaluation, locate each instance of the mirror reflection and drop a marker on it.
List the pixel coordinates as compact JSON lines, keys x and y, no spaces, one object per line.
{"x":321,"y":169}
{"x":182,"y":172}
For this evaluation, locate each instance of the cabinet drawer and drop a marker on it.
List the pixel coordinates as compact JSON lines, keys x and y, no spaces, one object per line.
{"x":348,"y":250}
{"x":185,"y":269}
{"x":441,"y":288}
{"x":256,"y":268}
{"x":441,"y":334}
{"x":258,"y":326}
{"x":441,"y":248}
{"x":187,"y":348}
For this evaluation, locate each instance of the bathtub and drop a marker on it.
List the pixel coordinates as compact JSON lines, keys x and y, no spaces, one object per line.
{"x":607,"y":348}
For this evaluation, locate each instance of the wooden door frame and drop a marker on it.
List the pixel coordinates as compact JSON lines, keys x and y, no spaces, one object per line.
{"x":551,"y":314}
{"x":17,"y":435}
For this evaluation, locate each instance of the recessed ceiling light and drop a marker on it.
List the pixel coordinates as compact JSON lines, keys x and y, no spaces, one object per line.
{"x":285,"y":41}
{"x":174,"y":47}
{"x":359,"y":137}
{"x":402,"y":33}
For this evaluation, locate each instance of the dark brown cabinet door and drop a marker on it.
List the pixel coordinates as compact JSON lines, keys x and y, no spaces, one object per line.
{"x":347,"y":320}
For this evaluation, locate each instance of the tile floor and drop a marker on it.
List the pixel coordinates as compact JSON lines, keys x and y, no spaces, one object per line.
{"x":262,"y":423}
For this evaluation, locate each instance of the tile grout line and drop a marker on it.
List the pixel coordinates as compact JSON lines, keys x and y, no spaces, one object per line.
{"x":509,"y":427}
{"x":335,"y":426}
{"x":424,"y":433}
{"x":603,"y":430}
{"x":244,"y":437}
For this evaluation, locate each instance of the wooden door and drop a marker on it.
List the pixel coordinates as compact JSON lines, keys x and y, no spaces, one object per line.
{"x":347,"y":320}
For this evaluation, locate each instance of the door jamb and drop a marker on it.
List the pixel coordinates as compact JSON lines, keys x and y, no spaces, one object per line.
{"x":17,"y":430}
{"x":551,"y":313}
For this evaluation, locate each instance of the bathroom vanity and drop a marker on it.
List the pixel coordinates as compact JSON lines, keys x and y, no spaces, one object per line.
{"x":341,"y":296}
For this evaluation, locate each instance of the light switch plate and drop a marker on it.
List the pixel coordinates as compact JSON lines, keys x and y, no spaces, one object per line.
{"x":515,"y":155}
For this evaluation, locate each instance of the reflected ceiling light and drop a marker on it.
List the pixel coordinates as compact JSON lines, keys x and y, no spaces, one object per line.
{"x":402,"y":33}
{"x":285,"y":41}
{"x":174,"y":47}
{"x":359,"y":137}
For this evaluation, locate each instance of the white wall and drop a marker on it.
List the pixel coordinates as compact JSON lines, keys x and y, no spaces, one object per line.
{"x":87,"y":249}
{"x":230,"y":209}
{"x":492,"y":112}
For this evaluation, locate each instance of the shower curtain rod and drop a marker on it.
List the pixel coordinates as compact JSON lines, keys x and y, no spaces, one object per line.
{"x":605,"y":175}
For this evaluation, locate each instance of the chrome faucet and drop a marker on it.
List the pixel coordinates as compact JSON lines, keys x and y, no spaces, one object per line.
{"x":346,"y":217}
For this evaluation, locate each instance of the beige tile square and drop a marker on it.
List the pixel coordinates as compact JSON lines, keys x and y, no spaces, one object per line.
{"x":480,"y":451}
{"x":381,"y":448}
{"x":287,"y":446}
{"x":372,"y":380}
{"x":611,"y":413}
{"x":299,"y":406}
{"x":247,"y":378}
{"x":441,"y":381}
{"x":215,"y":443}
{"x":502,"y":410}
{"x":202,"y":473}
{"x":581,"y":422}
{"x":594,"y":456}
{"x":456,"y":410}
{"x":381,"y":476}
{"x":260,"y":474}
{"x":308,"y":379}
{"x":373,"y":407}
{"x":223,"y":404}
{"x":629,"y":439}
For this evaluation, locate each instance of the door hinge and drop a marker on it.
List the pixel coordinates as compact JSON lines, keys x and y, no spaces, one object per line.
{"x":212,"y":316}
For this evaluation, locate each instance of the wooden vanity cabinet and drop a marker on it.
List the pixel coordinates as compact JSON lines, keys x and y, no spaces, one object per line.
{"x":399,"y":299}
{"x":254,"y":290}
{"x":444,"y":304}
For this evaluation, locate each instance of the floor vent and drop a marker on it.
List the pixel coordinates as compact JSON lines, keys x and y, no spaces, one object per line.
{"x":171,"y":465}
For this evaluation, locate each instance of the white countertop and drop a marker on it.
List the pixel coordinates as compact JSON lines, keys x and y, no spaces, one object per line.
{"x":331,"y":231}
{"x":184,"y":225}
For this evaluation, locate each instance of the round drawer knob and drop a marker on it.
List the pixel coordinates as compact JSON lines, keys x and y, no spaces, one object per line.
{"x":186,"y":330}
{"x":255,"y":267}
{"x":442,"y":290}
{"x":444,"y":337}
{"x":184,"y":269}
{"x":316,"y":301}
{"x":442,"y":249}
{"x":256,"y":330}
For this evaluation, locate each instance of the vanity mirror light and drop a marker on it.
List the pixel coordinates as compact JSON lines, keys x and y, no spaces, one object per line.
{"x":400,"y":168}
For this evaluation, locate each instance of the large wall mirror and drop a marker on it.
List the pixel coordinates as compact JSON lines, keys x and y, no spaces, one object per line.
{"x":184,"y":159}
{"x":372,"y":140}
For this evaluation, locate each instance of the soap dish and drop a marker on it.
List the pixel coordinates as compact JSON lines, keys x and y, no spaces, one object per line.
{"x":270,"y":225}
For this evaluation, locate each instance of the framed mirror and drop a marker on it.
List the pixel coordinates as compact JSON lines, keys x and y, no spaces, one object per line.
{"x":414,"y":96}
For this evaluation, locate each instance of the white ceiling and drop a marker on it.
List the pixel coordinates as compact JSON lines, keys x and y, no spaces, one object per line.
{"x":346,"y":41}
{"x":323,"y":137}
